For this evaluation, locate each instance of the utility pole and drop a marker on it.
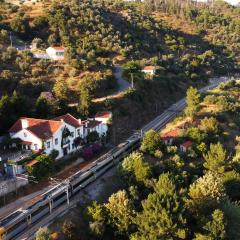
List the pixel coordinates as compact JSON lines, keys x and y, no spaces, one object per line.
{"x":3,"y":189}
{"x":59,"y":183}
{"x":132,"y":83}
{"x":11,"y":39}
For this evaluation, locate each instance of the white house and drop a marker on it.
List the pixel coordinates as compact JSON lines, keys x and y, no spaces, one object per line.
{"x":149,"y":70}
{"x":92,"y":125}
{"x":231,"y":2}
{"x":185,"y":146}
{"x":56,"y":53}
{"x":104,"y":117}
{"x":169,"y":137}
{"x":59,"y":134}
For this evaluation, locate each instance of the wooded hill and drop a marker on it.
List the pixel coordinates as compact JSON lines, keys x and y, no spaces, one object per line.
{"x":97,"y":34}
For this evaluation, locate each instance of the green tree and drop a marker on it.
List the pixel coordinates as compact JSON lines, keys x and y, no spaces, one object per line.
{"x":19,"y":24}
{"x":120,"y":211}
{"x":215,"y":158}
{"x":192,"y":100}
{"x":196,"y":135}
{"x":206,"y":193}
{"x":92,"y":137}
{"x":43,"y":168}
{"x":43,"y":234}
{"x":209,"y":125}
{"x":232,"y":215}
{"x":60,"y":89}
{"x":163,"y":215}
{"x":217,"y":226}
{"x":68,"y":229}
{"x":215,"y":229}
{"x":85,"y":102}
{"x":151,"y":142}
{"x":42,"y":108}
{"x":135,"y":168}
{"x":132,"y":70}
{"x":98,"y":218}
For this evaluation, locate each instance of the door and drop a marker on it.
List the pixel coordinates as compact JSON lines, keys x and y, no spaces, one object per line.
{"x":65,"y":151}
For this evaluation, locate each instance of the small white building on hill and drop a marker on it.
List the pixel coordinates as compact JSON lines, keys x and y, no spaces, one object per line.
{"x":149,"y":70}
{"x":56,"y":53}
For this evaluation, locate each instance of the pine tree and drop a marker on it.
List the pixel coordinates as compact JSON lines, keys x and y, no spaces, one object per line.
{"x":163,"y":215}
{"x":98,"y":216}
{"x":151,"y":142}
{"x":217,"y":226}
{"x":206,"y":193}
{"x":120,"y":211}
{"x":215,"y":158}
{"x":85,"y":102}
{"x":135,"y":168}
{"x":60,"y":89}
{"x":43,"y":234}
{"x":192,"y":100}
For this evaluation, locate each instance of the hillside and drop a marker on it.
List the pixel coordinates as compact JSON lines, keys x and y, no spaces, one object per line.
{"x":96,"y":35}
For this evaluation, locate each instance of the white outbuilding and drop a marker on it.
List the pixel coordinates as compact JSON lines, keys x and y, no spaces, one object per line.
{"x":56,"y":53}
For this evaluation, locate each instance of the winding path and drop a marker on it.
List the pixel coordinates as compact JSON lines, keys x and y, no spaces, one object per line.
{"x":122,"y":85}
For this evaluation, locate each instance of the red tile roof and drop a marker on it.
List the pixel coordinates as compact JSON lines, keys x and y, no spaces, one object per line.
{"x":46,"y":129}
{"x":26,"y":143}
{"x":149,"y":68}
{"x":17,"y":126}
{"x":32,"y":163}
{"x":103,"y":115}
{"x":171,"y":134}
{"x":43,"y":129}
{"x":187,"y":144}
{"x":69,"y":119}
{"x":58,"y":48}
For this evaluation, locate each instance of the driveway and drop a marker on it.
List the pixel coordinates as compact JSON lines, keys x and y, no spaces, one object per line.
{"x":123,"y":85}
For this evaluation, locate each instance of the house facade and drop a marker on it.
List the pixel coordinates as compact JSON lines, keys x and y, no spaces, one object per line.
{"x":150,"y":70}
{"x":56,"y":53}
{"x":185,"y":146}
{"x":169,"y":137}
{"x":104,"y":117}
{"x":61,"y":133}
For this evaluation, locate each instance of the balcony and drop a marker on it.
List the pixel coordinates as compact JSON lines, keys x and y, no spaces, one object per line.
{"x":65,"y":143}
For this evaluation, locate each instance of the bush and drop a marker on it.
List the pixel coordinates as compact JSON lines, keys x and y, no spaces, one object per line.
{"x":158,"y":154}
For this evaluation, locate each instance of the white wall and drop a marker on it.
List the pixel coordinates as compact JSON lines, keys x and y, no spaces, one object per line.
{"x":26,"y":135}
{"x":55,"y":54}
{"x":103,"y":120}
{"x":58,"y":146}
{"x":52,"y":143}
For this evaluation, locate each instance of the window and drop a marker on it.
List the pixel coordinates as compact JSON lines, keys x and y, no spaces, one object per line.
{"x":56,"y":141}
{"x":48,"y":144}
{"x":72,"y":134}
{"x":78,"y":132}
{"x":73,"y":146}
{"x":25,"y":134}
{"x":35,"y":147}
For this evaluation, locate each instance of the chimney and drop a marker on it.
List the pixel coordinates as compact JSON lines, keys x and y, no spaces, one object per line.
{"x":80,"y":121}
{"x":24,"y":123}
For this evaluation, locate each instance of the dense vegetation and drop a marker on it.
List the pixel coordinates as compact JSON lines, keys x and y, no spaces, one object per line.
{"x":170,"y":194}
{"x":97,"y":35}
